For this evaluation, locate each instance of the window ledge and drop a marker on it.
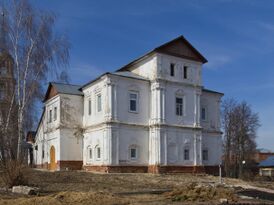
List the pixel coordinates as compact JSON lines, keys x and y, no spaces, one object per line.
{"x":134,"y":112}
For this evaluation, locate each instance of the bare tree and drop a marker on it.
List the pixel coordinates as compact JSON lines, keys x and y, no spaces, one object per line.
{"x":36,"y":52}
{"x":240,"y":126}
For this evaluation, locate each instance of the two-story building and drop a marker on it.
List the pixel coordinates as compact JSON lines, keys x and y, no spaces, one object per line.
{"x":152,"y":115}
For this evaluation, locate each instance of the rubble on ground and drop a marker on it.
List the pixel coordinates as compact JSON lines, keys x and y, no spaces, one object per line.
{"x":200,"y":192}
{"x":25,"y":190}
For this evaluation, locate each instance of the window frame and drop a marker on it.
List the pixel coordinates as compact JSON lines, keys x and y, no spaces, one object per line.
{"x":55,"y":113}
{"x":50,"y":116}
{"x":99,"y":104}
{"x":207,"y":155}
{"x":179,"y":114}
{"x":136,"y":148}
{"x":98,"y":154}
{"x":89,"y":153}
{"x":3,"y":71}
{"x":185,"y":70}
{"x":186,"y":157}
{"x":2,"y":91}
{"x":89,"y":106}
{"x":136,"y":101}
{"x":172,"y":69}
{"x":205,"y":112}
{"x":135,"y":153}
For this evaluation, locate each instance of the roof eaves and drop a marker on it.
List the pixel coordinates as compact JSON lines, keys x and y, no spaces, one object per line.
{"x":212,"y":91}
{"x":129,"y":77}
{"x":41,"y":119}
{"x":94,"y":80}
{"x":137,"y":60}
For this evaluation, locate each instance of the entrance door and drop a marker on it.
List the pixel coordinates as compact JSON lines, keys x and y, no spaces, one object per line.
{"x":52,"y":165}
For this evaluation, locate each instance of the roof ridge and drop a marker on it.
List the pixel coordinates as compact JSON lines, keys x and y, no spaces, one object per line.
{"x":63,"y":83}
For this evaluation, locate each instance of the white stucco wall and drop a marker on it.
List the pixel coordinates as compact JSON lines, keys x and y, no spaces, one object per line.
{"x":50,"y":105}
{"x":193,"y":69}
{"x":133,"y":137}
{"x":213,"y":143}
{"x":70,"y":145}
{"x":211,"y":102}
{"x":188,"y":94}
{"x":91,"y":92}
{"x":71,"y":113}
{"x":146,"y":68}
{"x":92,"y":139}
{"x":177,"y":141}
{"x":123,"y":87}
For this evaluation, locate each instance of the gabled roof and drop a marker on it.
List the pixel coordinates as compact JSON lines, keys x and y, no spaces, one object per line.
{"x":179,"y":47}
{"x":269,"y":162}
{"x":60,"y":88}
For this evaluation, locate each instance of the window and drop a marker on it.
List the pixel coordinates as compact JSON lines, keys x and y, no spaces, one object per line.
{"x":203,"y":113}
{"x":172,"y":66}
{"x":89,"y":153}
{"x":179,"y":106}
{"x":55,"y":113}
{"x":3,"y":71}
{"x":133,"y":100}
{"x":185,"y":72}
{"x":2,"y":91}
{"x":99,"y":103}
{"x":205,"y":154}
{"x":98,"y":151}
{"x":186,"y":154}
{"x":133,"y":153}
{"x":50,"y":116}
{"x":89,"y":106}
{"x":43,"y":154}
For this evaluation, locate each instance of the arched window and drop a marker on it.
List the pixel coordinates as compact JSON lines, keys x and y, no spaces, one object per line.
{"x":133,"y":152}
{"x":89,"y":153}
{"x":98,"y":152}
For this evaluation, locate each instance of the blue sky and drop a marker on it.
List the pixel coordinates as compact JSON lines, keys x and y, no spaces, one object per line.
{"x":237,"y":38}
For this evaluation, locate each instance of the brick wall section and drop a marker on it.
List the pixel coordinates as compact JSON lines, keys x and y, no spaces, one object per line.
{"x":71,"y":165}
{"x":175,"y":169}
{"x":213,"y":170}
{"x":78,"y":165}
{"x":42,"y":166}
{"x":117,"y":169}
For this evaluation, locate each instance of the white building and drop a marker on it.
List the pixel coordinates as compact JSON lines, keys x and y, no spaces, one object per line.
{"x":152,"y":115}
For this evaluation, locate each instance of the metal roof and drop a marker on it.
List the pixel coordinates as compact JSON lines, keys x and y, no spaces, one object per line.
{"x":67,"y":88}
{"x":159,"y":49}
{"x":212,"y":91}
{"x":269,"y":162}
{"x":130,"y":75}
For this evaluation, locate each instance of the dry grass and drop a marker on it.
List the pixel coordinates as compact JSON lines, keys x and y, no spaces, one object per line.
{"x":73,"y":187}
{"x":202,"y":193}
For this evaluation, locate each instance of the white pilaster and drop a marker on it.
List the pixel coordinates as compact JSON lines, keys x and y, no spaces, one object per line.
{"x":111,"y":110}
{"x":197,"y":149}
{"x":157,"y":103}
{"x":197,"y":108}
{"x":107,"y":145}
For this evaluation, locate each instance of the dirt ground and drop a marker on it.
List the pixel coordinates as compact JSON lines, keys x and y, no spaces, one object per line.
{"x":77,"y":187}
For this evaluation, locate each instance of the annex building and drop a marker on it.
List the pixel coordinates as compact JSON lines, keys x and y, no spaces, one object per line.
{"x":152,"y":115}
